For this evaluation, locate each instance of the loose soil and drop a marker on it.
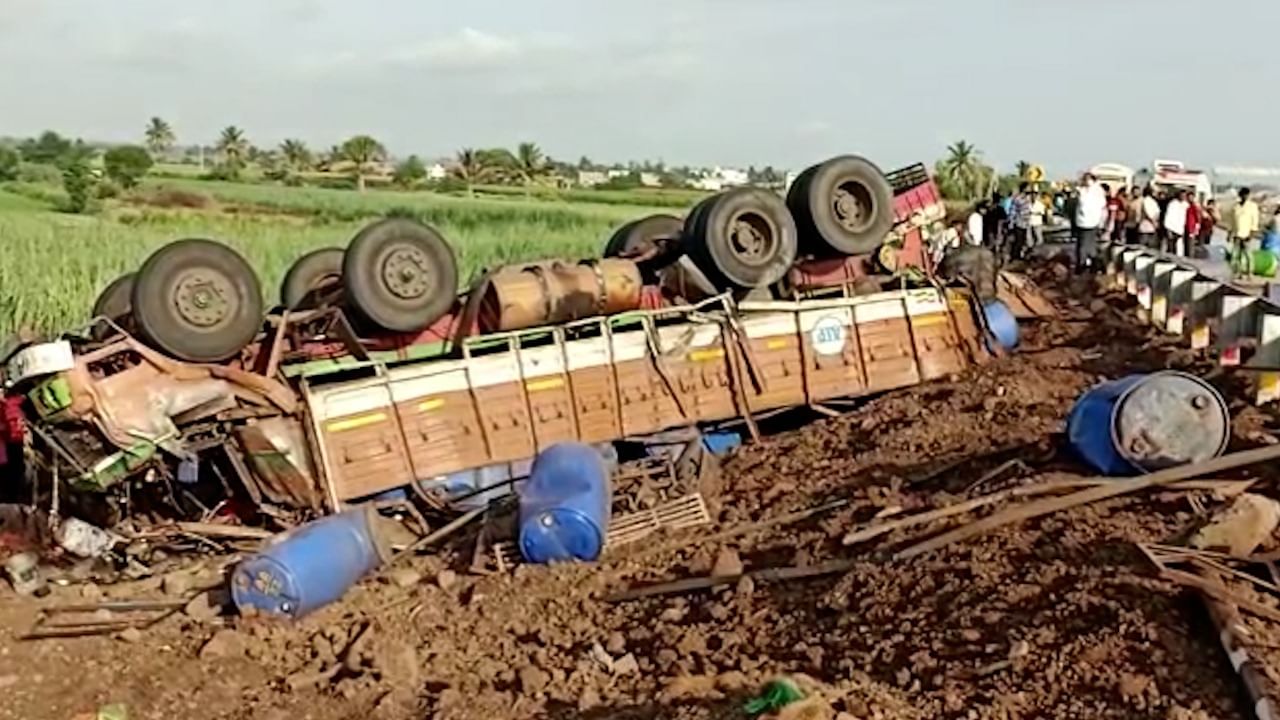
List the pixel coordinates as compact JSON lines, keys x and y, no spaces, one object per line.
{"x":1060,"y":617}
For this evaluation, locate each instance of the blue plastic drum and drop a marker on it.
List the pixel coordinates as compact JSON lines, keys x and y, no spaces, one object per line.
{"x":1003,"y":324}
{"x":565,"y":505}
{"x":1143,"y":423}
{"x":310,"y":566}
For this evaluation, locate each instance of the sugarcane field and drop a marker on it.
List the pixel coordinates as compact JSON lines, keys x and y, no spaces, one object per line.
{"x":877,"y":431}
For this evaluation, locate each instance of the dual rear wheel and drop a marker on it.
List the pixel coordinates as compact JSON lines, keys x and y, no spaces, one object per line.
{"x":199,"y":300}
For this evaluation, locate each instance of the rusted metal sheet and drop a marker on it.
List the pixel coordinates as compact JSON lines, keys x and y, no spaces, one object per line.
{"x":556,"y":292}
{"x":275,"y":450}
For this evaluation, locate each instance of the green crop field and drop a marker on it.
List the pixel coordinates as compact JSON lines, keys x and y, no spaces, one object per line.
{"x":53,"y":265}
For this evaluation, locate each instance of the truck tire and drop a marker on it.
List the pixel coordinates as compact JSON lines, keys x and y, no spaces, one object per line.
{"x":654,"y":241}
{"x":115,"y":303}
{"x":400,"y":275}
{"x":197,"y":300}
{"x":842,"y":206}
{"x":743,"y":238}
{"x":317,"y":270}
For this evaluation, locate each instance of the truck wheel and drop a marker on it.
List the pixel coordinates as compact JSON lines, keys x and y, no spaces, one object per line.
{"x":197,"y":300}
{"x":843,"y":205}
{"x":400,"y":275}
{"x":310,"y":274}
{"x":115,"y":303}
{"x":653,"y":241}
{"x":742,"y":238}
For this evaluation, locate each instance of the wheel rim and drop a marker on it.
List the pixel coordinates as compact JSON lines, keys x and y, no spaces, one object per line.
{"x":753,"y":238}
{"x":205,"y":298}
{"x":405,"y":273}
{"x":853,"y":206}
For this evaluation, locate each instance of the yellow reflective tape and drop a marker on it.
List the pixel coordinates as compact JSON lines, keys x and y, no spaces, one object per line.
{"x":926,"y":320}
{"x":432,"y":404}
{"x":700,"y":355}
{"x":355,"y":422}
{"x":548,"y":384}
{"x":776,"y":344}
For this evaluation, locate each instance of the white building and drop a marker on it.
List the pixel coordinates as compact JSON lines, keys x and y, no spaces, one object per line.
{"x":591,"y":178}
{"x":650,"y":179}
{"x":436,"y":172}
{"x":731,"y":177}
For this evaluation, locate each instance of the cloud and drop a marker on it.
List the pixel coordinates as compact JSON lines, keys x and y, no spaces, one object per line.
{"x":467,"y":49}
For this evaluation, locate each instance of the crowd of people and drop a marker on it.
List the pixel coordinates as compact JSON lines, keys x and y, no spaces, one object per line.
{"x":1174,"y":220}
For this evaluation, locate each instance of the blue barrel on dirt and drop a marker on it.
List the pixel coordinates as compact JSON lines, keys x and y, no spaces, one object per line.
{"x":564,"y":505}
{"x":1143,"y":423}
{"x":310,"y":566}
{"x":1002,"y":323}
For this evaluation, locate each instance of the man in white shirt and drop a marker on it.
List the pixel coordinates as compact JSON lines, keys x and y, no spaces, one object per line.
{"x":974,"y":227}
{"x":1175,"y":224}
{"x":1091,"y":215}
{"x":1148,"y":219}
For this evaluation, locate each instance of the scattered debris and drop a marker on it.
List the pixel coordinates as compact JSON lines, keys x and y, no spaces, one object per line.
{"x":1101,"y":492}
{"x":1241,"y":527}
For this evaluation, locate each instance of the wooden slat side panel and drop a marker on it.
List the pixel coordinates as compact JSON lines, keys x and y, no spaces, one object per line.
{"x":832,"y":354}
{"x":504,"y":419}
{"x":937,"y":346}
{"x":888,"y":353}
{"x":442,"y":433}
{"x":367,"y":454}
{"x":596,"y":404}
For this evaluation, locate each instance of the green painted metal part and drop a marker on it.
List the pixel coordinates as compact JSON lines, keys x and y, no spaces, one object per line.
{"x":51,"y":396}
{"x":114,"y":468}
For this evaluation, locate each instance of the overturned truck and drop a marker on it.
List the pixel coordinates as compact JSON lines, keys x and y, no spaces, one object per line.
{"x":365,"y":381}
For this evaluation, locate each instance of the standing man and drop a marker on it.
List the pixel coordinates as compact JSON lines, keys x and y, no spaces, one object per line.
{"x":993,"y":223}
{"x":1133,"y":216}
{"x":1208,"y":222}
{"x":974,"y":228}
{"x":1195,"y":216}
{"x":1175,"y":224}
{"x":1245,"y":221}
{"x":1149,"y":219}
{"x":1020,"y":218}
{"x":1091,"y":216}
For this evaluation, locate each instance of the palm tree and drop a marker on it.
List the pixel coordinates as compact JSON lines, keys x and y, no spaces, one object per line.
{"x":530,"y":165}
{"x":296,"y":155}
{"x":363,"y":151}
{"x":159,"y":136}
{"x":964,"y":171}
{"x":471,"y":168}
{"x":233,"y":146}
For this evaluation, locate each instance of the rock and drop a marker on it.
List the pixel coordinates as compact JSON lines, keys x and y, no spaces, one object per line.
{"x":616,"y":643}
{"x":206,"y":606}
{"x":690,"y":687}
{"x":90,"y":591}
{"x":176,"y":584}
{"x":533,"y":680}
{"x":1240,"y":528}
{"x":130,"y":635}
{"x":811,"y":708}
{"x":673,"y":614}
{"x":732,"y":681}
{"x":971,"y":635}
{"x":404,"y":577}
{"x":223,"y":644}
{"x":602,"y":656}
{"x":727,"y":563}
{"x":446,"y":579}
{"x":590,"y":698}
{"x":746,"y":587}
{"x":1097,"y":306}
{"x":626,"y":665}
{"x":7,"y":681}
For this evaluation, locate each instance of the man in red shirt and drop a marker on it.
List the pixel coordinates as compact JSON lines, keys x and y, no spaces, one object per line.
{"x":1194,"y":218}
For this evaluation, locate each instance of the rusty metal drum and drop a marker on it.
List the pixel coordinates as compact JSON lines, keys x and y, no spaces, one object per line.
{"x":553,"y":292}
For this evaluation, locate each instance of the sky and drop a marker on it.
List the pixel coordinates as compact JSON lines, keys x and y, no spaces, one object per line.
{"x":1065,"y":83}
